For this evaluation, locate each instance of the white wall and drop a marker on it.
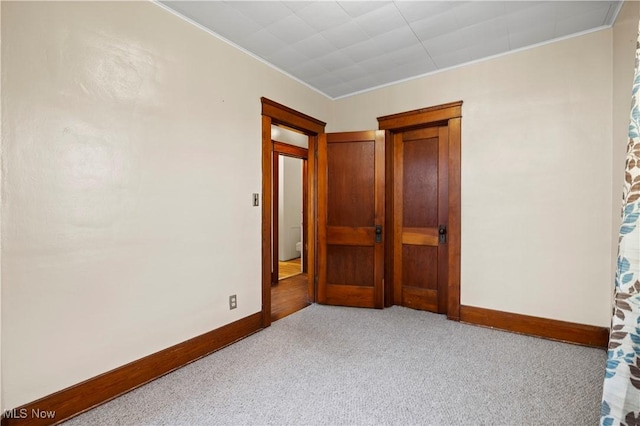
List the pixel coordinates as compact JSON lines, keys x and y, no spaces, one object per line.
{"x":122,"y":233}
{"x":290,"y":137}
{"x":290,"y":212}
{"x":536,"y":174}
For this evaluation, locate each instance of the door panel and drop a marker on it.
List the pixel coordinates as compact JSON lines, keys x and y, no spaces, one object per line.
{"x":420,"y":180}
{"x":351,"y":179}
{"x":419,"y":266}
{"x":350,"y":265}
{"x":350,"y":205}
{"x":420,"y":206}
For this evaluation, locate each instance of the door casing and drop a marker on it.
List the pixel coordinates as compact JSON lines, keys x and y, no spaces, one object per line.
{"x":275,"y":113}
{"x":449,"y":115}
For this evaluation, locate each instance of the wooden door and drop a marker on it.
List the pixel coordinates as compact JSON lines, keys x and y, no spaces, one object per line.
{"x":420,"y":207}
{"x":351,"y":204}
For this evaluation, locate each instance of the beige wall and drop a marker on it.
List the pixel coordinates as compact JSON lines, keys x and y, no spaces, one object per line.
{"x":131,"y":149}
{"x":624,"y":44}
{"x":536,"y":174}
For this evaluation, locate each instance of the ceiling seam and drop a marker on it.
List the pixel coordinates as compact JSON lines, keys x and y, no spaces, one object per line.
{"x":414,"y":33}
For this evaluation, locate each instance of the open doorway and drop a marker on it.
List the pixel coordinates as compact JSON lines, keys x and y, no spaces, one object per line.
{"x":288,"y":216}
{"x":289,"y":280}
{"x":282,"y":116}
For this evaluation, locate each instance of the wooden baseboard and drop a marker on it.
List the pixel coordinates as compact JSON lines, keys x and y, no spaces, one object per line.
{"x":86,"y":395}
{"x":587,"y":335}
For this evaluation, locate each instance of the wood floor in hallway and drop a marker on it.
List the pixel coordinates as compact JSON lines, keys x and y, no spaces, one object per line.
{"x":289,"y":296}
{"x":289,"y":268}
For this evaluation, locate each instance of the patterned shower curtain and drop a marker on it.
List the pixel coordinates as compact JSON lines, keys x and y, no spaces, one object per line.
{"x":621,"y":393}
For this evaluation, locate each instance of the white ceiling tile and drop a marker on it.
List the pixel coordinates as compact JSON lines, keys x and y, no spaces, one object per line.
{"x":308,"y":69}
{"x":218,"y":16}
{"x":324,"y":80}
{"x":296,"y":5}
{"x":568,"y":9}
{"x":324,"y":15}
{"x":335,"y":60}
{"x":528,"y":36}
{"x":471,"y":13}
{"x":517,"y":6}
{"x":262,"y":43}
{"x":396,"y":39}
{"x":491,"y":28}
{"x":363,"y":82}
{"x":286,"y":58}
{"x":363,"y":50}
{"x":540,"y":14}
{"x":341,"y":47}
{"x":337,"y":90}
{"x":432,"y":27}
{"x":488,"y":48}
{"x":581,"y":22}
{"x":421,"y":66}
{"x":442,"y":45}
{"x":314,"y":46}
{"x":418,"y":10}
{"x":408,"y":54}
{"x":463,"y":37}
{"x":359,"y":8}
{"x":381,"y":20}
{"x":291,"y":29}
{"x":451,"y":58}
{"x":386,"y":76}
{"x":261,"y":12}
{"x":350,"y":73}
{"x":376,"y":64}
{"x":344,"y":35}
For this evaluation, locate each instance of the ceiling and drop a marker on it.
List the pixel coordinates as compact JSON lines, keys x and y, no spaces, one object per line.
{"x":340,"y":48}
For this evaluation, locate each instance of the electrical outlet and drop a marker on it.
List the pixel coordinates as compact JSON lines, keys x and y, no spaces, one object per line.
{"x":233,"y":301}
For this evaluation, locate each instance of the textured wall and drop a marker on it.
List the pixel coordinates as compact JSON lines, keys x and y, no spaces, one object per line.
{"x":132,"y":145}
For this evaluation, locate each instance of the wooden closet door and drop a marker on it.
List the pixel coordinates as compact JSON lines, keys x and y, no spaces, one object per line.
{"x":350,"y":218}
{"x":420,"y":211}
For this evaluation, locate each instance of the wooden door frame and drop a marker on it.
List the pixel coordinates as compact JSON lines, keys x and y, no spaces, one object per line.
{"x":286,"y":150}
{"x":449,"y":115}
{"x":275,"y":113}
